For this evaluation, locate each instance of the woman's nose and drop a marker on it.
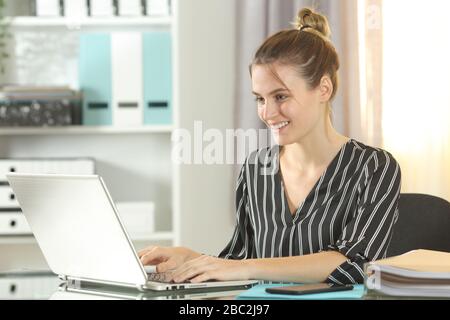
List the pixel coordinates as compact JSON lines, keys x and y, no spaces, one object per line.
{"x":270,"y":111}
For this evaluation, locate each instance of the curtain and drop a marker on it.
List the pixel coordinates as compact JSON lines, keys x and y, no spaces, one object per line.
{"x":416,"y":93}
{"x":256,"y":20}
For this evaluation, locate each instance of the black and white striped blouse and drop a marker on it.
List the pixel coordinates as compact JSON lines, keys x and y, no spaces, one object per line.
{"x":351,"y":209}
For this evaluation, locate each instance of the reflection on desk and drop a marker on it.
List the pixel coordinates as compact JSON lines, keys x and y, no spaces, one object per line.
{"x":45,"y":285}
{"x":25,"y":285}
{"x":94,"y":292}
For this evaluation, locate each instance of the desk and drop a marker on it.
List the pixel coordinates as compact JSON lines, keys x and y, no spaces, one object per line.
{"x":44,"y":286}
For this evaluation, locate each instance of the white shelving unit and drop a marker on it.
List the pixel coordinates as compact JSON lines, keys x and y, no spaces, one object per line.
{"x":83,"y":130}
{"x":36,"y":22}
{"x":194,"y":203}
{"x":26,"y":239}
{"x":135,"y":162}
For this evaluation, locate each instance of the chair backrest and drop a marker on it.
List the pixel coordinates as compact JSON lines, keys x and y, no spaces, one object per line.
{"x":423,"y":223}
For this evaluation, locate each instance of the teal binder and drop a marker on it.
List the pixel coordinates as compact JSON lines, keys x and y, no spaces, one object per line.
{"x":94,"y":72}
{"x":157,"y":74}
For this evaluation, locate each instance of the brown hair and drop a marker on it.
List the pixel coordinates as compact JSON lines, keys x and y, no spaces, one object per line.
{"x":307,"y":47}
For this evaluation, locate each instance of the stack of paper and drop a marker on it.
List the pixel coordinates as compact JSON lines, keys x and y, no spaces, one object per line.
{"x":418,"y":273}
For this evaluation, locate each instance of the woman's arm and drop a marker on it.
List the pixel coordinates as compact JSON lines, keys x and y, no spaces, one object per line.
{"x":309,"y":268}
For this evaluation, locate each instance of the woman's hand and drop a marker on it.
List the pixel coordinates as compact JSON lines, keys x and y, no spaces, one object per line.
{"x":166,"y":258}
{"x":205,"y":268}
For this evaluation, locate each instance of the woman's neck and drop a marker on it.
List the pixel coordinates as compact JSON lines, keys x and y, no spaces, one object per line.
{"x":316,"y":150}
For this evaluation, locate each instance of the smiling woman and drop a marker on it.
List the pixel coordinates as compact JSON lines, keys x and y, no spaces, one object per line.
{"x":316,"y":206}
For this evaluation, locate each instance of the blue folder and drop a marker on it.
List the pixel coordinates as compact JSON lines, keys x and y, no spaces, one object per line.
{"x":94,"y":72}
{"x":157,"y":73}
{"x":259,"y":292}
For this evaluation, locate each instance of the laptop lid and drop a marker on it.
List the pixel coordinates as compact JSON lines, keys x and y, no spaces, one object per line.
{"x":77,"y":227}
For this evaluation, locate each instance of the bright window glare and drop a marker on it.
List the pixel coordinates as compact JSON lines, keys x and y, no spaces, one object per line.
{"x":416,"y":91}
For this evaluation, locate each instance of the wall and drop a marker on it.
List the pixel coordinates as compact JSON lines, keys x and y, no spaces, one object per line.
{"x":206,"y":81}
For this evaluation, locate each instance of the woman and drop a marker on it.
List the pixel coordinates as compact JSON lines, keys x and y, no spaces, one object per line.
{"x":329,"y":206}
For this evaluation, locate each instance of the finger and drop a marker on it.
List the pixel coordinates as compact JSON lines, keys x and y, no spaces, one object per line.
{"x":203,"y":277}
{"x":154,"y":257}
{"x":166,"y":266}
{"x":192,"y":272}
{"x":145,"y":251}
{"x":184,"y":267}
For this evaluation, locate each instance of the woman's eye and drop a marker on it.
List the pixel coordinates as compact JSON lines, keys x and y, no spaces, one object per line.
{"x":280,"y":97}
{"x":259,"y":100}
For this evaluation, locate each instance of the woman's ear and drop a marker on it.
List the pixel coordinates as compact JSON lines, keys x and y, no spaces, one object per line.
{"x":325,"y":89}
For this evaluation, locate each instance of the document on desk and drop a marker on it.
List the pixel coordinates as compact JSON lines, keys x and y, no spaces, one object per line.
{"x":418,"y":273}
{"x":259,"y":292}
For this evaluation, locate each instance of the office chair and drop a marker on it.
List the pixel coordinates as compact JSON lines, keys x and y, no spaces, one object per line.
{"x":423,"y":223}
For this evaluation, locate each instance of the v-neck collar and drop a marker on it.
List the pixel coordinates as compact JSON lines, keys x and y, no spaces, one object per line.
{"x":323,"y":179}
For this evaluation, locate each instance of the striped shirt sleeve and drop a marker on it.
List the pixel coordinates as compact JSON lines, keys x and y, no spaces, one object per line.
{"x":241,"y":245}
{"x":367,"y":235}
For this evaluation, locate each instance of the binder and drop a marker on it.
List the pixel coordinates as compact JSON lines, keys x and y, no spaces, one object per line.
{"x":130,"y":8}
{"x":48,"y":8}
{"x":157,"y":69}
{"x":126,"y":57}
{"x":103,"y":8}
{"x":75,"y":8}
{"x":157,"y":7}
{"x":95,"y":78}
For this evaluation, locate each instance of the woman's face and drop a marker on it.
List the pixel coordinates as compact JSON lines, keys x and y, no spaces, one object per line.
{"x":290,"y":112}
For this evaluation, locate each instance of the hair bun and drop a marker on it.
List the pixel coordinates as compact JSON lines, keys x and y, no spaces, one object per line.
{"x":308,"y":18}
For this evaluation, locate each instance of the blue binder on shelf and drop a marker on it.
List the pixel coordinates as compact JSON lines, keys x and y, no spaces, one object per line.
{"x":157,"y":74}
{"x":95,"y":78}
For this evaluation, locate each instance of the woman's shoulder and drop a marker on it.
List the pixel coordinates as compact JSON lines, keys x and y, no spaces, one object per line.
{"x":263,"y":156}
{"x":263,"y":161}
{"x":378,"y":156}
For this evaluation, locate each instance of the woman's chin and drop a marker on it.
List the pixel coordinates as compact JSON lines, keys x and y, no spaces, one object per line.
{"x":282,"y":140}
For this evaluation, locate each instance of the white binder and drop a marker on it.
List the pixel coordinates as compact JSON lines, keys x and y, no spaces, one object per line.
{"x":102,"y":8}
{"x":157,"y":8}
{"x":47,"y":8}
{"x":126,"y":60}
{"x":75,"y":9}
{"x":130,"y":8}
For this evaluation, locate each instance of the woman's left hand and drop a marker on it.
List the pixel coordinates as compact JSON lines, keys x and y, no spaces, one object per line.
{"x":206,"y":268}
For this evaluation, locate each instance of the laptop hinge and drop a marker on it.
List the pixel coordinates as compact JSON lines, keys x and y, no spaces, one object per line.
{"x":62,"y":277}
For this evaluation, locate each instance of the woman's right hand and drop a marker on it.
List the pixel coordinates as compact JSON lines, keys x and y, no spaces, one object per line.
{"x":166,"y":258}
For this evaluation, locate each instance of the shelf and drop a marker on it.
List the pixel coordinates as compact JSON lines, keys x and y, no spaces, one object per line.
{"x":75,"y":130}
{"x":157,"y":236}
{"x":17,"y":240}
{"x":26,"y":22}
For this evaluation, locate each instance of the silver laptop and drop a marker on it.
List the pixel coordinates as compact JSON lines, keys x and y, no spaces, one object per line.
{"x":79,"y":231}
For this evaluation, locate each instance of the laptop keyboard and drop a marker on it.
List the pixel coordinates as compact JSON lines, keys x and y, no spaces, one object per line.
{"x":160,"y":277}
